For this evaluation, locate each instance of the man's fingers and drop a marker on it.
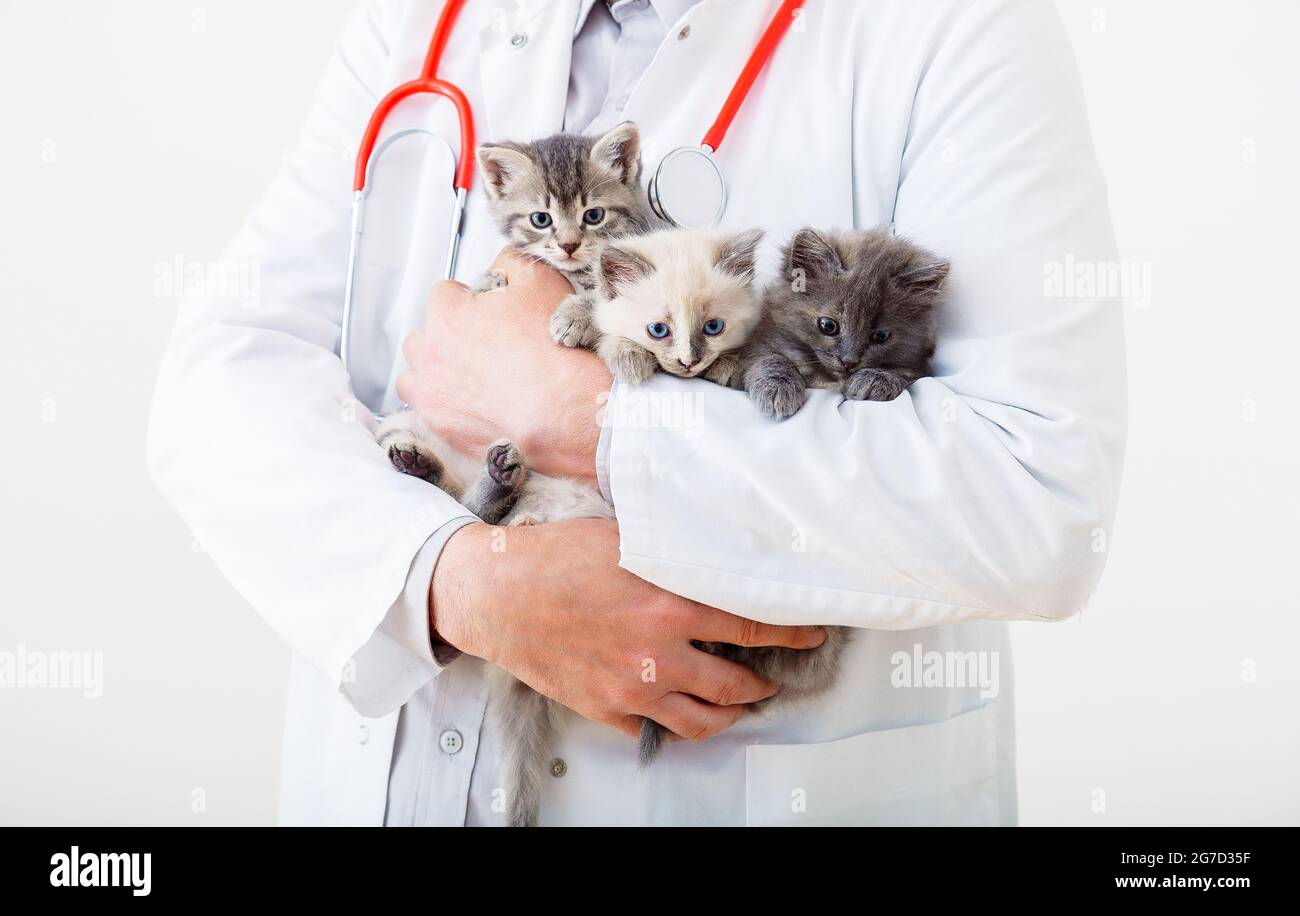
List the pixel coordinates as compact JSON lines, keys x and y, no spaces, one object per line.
{"x":514,"y":265}
{"x":722,"y":682}
{"x":446,"y":294}
{"x":413,"y":348}
{"x":628,"y":725}
{"x":719,"y":626}
{"x":412,"y":345}
{"x":544,"y":281}
{"x":693,"y":719}
{"x":405,"y":386}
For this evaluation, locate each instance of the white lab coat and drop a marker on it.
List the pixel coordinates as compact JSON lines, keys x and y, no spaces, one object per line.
{"x":981,"y":495}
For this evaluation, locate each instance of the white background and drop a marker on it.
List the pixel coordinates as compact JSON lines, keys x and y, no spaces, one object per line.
{"x":132,"y":134}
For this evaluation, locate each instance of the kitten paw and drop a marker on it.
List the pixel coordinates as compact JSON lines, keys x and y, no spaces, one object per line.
{"x":777,"y":397}
{"x":632,"y":365}
{"x":413,"y":459}
{"x":571,"y":323}
{"x":505,"y":464}
{"x":873,"y":385}
{"x":572,"y":332}
{"x":493,"y":279}
{"x":724,"y":370}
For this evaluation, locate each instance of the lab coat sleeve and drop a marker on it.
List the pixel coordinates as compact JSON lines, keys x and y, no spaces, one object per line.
{"x":987,"y":491}
{"x":254,"y":436}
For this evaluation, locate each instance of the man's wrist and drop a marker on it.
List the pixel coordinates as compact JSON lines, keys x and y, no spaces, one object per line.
{"x":452,"y":590}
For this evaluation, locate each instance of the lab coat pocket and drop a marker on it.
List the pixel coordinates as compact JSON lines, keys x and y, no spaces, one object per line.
{"x":942,"y":773}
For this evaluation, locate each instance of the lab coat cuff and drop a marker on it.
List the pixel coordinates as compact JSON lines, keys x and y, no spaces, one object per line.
{"x":403,"y":648}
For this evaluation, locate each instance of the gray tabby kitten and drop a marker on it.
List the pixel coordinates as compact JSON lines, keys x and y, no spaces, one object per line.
{"x":558,"y":200}
{"x":852,"y":312}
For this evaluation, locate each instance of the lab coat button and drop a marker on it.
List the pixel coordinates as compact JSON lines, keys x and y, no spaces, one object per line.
{"x":684,"y":34}
{"x":519,"y":39}
{"x":363,"y":733}
{"x":451,"y":741}
{"x":558,"y":768}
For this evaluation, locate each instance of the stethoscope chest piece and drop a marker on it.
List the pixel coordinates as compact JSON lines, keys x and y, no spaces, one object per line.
{"x":687,"y":189}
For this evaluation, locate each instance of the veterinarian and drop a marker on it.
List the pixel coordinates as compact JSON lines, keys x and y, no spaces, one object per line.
{"x":982,"y":495}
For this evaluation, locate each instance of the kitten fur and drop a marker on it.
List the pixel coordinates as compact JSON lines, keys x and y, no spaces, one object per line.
{"x":685,"y":281}
{"x":879,"y":294}
{"x":501,"y":491}
{"x":586,"y":190}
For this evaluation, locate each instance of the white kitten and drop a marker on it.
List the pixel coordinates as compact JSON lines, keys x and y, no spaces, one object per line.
{"x":680,"y":300}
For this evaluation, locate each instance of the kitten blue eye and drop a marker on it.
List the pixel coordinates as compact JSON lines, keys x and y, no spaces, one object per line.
{"x":540,"y":220}
{"x":828,"y":326}
{"x":713,"y":327}
{"x":594,"y":216}
{"x":879,"y":336}
{"x":658,"y":330}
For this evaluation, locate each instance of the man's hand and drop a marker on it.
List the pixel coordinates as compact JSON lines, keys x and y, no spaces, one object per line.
{"x":556,"y":611}
{"x":485,"y":367}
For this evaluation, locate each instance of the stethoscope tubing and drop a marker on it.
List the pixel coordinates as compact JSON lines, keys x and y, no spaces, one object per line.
{"x":367,"y":155}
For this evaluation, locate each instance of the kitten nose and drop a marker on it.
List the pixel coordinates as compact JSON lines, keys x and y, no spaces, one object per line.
{"x":569,"y":247}
{"x":687,"y":363}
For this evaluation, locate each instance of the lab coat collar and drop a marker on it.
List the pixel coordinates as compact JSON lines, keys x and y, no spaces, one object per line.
{"x":669,"y":11}
{"x":524,"y":70}
{"x":524,"y":65}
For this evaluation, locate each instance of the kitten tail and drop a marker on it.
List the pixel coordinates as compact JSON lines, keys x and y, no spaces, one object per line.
{"x":528,"y":723}
{"x":652,"y":739}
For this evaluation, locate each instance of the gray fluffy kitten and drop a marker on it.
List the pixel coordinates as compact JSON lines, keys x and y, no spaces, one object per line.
{"x":852,"y":312}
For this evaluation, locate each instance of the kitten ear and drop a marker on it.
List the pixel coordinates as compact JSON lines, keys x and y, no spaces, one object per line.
{"x":620,"y":150}
{"x":813,"y":253}
{"x":927,"y":274}
{"x":736,"y":256}
{"x":501,"y":167}
{"x":619,"y":268}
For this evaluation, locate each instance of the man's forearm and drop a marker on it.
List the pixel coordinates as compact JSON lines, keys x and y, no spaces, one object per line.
{"x":453,"y":588}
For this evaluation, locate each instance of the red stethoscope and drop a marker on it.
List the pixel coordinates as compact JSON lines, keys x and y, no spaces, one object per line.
{"x":686,"y":189}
